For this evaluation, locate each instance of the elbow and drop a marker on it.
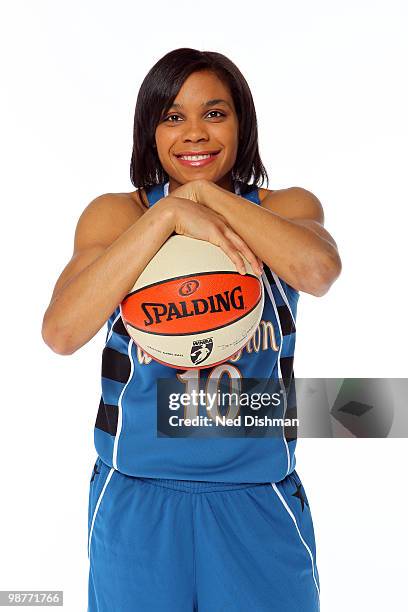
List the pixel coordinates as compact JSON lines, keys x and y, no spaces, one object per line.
{"x":329,"y":269}
{"x":324,"y":274}
{"x":55,"y":340}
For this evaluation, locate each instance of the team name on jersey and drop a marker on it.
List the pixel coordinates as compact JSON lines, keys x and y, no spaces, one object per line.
{"x":156,"y":312}
{"x":264,"y":339}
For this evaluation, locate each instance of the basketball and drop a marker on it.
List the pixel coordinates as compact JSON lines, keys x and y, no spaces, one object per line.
{"x":190,"y":308}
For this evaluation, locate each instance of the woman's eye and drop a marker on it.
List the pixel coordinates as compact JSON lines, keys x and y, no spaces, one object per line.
{"x":177,"y":116}
{"x":169,"y":116}
{"x":219,"y":113}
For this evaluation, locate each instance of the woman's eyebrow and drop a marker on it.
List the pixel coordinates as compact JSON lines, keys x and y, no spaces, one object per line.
{"x":206,"y":104}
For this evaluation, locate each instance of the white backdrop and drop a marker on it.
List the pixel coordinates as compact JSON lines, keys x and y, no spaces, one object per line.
{"x":329,"y":84}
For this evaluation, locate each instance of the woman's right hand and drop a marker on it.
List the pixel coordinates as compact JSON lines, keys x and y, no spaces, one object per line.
{"x":201,"y":222}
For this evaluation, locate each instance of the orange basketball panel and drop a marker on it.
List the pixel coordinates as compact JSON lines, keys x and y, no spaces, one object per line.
{"x":192,"y":303}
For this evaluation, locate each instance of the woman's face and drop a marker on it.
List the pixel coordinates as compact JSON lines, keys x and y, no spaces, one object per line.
{"x":202,"y":120}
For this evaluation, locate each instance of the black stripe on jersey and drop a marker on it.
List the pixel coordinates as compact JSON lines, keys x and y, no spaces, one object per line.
{"x":115,"y":365}
{"x":286,"y":366}
{"x":285,"y":317}
{"x":269,"y":275}
{"x":286,"y":321}
{"x":119,"y":328}
{"x":290,"y":431}
{"x":107,"y":418}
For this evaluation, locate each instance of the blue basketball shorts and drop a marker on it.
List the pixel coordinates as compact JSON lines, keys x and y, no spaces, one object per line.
{"x":159,"y":545}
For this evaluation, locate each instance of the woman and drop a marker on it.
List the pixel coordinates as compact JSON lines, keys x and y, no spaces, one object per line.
{"x":188,"y":523}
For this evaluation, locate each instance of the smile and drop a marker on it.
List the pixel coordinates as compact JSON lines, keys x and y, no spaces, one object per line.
{"x":197,"y":160}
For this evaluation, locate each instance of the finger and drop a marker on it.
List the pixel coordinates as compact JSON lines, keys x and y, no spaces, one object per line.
{"x":230,"y":250}
{"x":246,"y":251}
{"x":255,"y":262}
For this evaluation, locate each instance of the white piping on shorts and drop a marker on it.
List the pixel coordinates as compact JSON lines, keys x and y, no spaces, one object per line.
{"x":101,"y":494}
{"x":279,"y":494}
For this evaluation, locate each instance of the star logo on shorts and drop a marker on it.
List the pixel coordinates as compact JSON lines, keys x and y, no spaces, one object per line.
{"x":300,"y":495}
{"x":95,"y":471}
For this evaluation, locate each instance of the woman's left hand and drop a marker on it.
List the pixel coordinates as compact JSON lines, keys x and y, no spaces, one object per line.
{"x":199,"y":191}
{"x":190,"y":191}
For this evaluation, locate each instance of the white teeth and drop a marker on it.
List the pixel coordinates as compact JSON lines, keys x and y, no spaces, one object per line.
{"x":195,"y":157}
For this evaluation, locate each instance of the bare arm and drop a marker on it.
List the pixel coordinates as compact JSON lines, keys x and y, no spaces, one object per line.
{"x":111,"y":250}
{"x":110,"y":253}
{"x":286,"y":232}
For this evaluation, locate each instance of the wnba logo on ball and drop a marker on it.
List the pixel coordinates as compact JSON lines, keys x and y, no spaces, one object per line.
{"x":200,"y":350}
{"x":189,"y":287}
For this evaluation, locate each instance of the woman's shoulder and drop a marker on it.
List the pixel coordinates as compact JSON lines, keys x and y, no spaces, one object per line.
{"x":139,"y":198}
{"x":286,"y":191}
{"x":264,"y":192}
{"x":290,"y":201}
{"x":109,"y":214}
{"x":129,"y":204}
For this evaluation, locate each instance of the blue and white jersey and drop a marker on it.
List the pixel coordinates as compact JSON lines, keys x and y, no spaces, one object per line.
{"x":126,"y":434}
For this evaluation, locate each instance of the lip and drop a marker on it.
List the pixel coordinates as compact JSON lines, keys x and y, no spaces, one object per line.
{"x":197,"y":163}
{"x":201,"y":152}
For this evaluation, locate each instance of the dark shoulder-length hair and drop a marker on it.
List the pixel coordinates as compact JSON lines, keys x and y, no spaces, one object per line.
{"x":156,"y":95}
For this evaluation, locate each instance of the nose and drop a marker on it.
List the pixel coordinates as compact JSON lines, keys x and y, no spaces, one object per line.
{"x":195,"y":131}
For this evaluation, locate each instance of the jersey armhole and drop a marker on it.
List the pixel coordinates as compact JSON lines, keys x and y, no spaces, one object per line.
{"x":292,"y":291}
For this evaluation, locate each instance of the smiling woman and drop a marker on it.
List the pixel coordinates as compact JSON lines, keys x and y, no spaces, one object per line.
{"x":199,"y":138}
{"x":161,"y":498}
{"x":194,"y":103}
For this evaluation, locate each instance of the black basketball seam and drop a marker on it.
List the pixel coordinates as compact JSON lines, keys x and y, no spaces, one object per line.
{"x":160,"y":282}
